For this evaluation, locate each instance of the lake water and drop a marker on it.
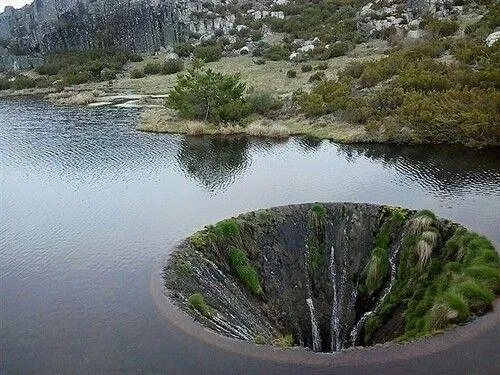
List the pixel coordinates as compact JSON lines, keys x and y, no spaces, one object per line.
{"x":90,"y":206}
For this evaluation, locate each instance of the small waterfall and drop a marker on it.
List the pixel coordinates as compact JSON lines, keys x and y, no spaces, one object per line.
{"x":316,"y":338}
{"x":335,"y":319}
{"x":314,"y":327}
{"x":359,"y":325}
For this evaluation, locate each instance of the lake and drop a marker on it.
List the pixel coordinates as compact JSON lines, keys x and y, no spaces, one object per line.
{"x":90,"y":207}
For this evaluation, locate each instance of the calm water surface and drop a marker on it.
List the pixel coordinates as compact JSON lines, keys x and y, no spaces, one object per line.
{"x":89,"y":206}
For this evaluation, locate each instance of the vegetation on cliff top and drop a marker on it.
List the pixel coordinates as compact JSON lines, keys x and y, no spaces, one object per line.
{"x":440,"y":280}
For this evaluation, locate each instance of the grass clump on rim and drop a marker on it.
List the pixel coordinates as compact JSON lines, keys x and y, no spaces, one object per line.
{"x":259,"y":340}
{"x":376,"y":269}
{"x":244,"y":271}
{"x":284,"y":341}
{"x":317,"y":215}
{"x":197,"y":302}
{"x":226,"y":228}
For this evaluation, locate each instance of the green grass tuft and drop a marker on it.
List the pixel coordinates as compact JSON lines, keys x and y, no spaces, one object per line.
{"x":284,"y":341}
{"x":259,"y":340}
{"x":376,"y":269}
{"x":197,"y":302}
{"x":244,"y":271}
{"x":226,"y":228}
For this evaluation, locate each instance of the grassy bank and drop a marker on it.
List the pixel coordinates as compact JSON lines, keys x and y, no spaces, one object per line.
{"x":166,"y":121}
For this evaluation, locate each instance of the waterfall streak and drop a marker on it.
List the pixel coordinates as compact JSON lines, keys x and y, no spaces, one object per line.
{"x":359,"y":325}
{"x":316,"y":338}
{"x":335,"y":319}
{"x":314,"y":326}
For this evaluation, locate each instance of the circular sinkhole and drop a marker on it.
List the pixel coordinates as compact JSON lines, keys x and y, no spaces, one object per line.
{"x":329,"y":276}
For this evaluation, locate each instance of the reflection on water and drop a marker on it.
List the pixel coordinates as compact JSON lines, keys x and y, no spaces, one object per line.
{"x":213,"y":162}
{"x":89,"y":206}
{"x":447,"y":170}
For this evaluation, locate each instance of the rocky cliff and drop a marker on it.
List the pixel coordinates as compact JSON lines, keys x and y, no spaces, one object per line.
{"x":135,"y":25}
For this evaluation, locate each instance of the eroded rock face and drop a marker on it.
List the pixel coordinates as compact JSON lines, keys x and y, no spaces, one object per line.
{"x":332,"y":275}
{"x":134,"y":25}
{"x":299,"y":287}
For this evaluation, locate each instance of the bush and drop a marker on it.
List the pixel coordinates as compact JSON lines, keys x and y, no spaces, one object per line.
{"x":291,"y":73}
{"x":318,"y":76}
{"x":326,"y":97}
{"x":322,"y":66}
{"x":172,"y":66}
{"x":184,"y":49}
{"x":153,"y":68}
{"x":441,"y":28}
{"x":259,"y":340}
{"x":107,"y":74}
{"x":337,"y":49}
{"x":276,"y":53}
{"x":137,"y":73}
{"x":306,"y":68}
{"x":208,"y":53}
{"x":83,"y":66}
{"x":285,"y":341}
{"x":4,"y":84}
{"x":244,"y":271}
{"x":209,"y":96}
{"x":197,"y":302}
{"x":263,"y":102}
{"x":74,"y":77}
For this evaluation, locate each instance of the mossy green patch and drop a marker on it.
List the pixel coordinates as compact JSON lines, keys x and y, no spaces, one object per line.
{"x":458,"y":279}
{"x":284,"y":341}
{"x":197,"y":302}
{"x":244,"y":271}
{"x":259,"y":340}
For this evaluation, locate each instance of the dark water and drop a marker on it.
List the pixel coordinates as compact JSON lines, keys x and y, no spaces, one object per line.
{"x":89,"y":206}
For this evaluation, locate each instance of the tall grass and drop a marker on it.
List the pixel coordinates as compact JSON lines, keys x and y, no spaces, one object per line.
{"x":244,"y":271}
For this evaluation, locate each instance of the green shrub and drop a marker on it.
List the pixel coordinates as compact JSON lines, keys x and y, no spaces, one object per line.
{"x":74,"y":77}
{"x":21,"y":82}
{"x":153,"y":68}
{"x":184,"y":49}
{"x":107,"y":74}
{"x":291,"y":73}
{"x":197,"y":302}
{"x":263,"y":102}
{"x":284,"y":341}
{"x":82,"y":66}
{"x":322,"y":66}
{"x":244,"y":271}
{"x":457,"y":302}
{"x":206,"y":95}
{"x":137,"y":73}
{"x":276,"y":53}
{"x":259,"y":340}
{"x":354,"y":70}
{"x":208,"y":53}
{"x":337,"y":49}
{"x":4,"y":84}
{"x":172,"y":66}
{"x":316,"y":77}
{"x":326,"y":97}
{"x":306,"y":68}
{"x":441,"y":28}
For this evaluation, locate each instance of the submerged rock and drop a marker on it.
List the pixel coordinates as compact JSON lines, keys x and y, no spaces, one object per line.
{"x":331,"y":275}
